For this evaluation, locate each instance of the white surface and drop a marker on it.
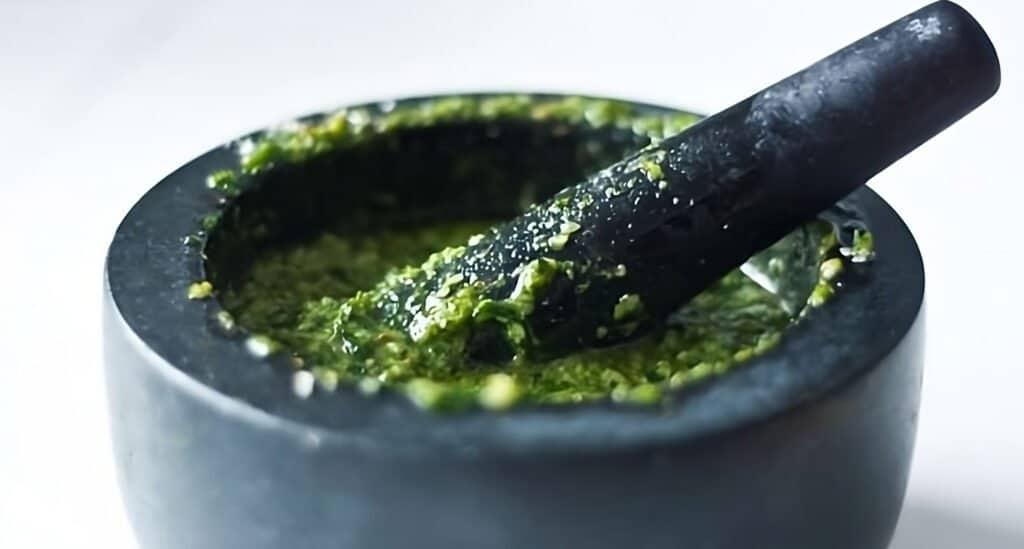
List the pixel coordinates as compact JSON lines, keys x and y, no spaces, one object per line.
{"x":99,"y":100}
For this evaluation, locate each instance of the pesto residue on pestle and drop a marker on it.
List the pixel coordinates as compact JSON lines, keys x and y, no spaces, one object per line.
{"x":322,"y":300}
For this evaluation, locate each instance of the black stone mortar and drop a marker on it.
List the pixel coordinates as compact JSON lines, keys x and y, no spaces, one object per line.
{"x":808,"y":445}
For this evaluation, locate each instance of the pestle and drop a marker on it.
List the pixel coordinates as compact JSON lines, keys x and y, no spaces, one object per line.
{"x":609,"y":258}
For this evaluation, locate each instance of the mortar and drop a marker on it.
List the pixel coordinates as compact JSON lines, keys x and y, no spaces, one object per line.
{"x":807,"y":445}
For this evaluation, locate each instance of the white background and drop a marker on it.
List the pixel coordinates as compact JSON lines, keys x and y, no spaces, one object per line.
{"x":99,"y":100}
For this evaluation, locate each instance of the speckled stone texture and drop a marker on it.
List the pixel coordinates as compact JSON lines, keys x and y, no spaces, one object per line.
{"x":807,"y":446}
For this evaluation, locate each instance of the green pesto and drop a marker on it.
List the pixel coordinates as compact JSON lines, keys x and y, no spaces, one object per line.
{"x":299,"y":142}
{"x":200,"y":290}
{"x":313,"y":299}
{"x":354,"y":309}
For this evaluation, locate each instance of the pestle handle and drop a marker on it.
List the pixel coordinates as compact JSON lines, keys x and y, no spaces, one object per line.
{"x":812,"y":138}
{"x":612,"y":257}
{"x":740,"y":180}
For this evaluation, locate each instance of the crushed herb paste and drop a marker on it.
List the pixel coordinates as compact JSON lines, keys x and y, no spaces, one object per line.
{"x":310,"y":298}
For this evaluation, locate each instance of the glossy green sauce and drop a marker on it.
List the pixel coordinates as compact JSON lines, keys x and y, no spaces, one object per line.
{"x":319,"y":299}
{"x":301,"y":299}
